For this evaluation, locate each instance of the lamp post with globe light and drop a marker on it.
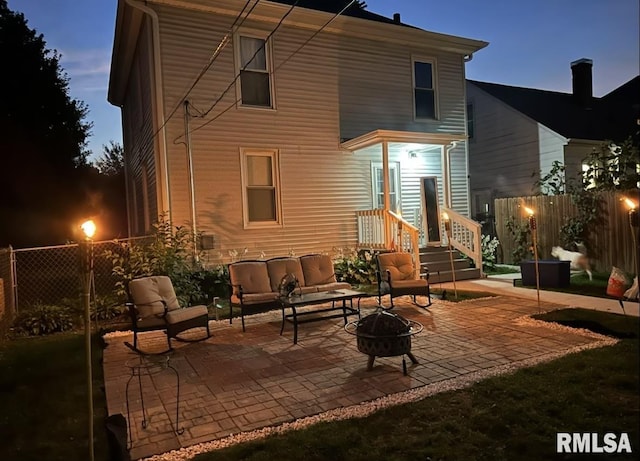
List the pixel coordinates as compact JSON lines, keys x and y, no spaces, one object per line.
{"x":86,"y":275}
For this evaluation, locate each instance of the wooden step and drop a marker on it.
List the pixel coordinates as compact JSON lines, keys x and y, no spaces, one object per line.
{"x":445,"y":265}
{"x":446,"y":276}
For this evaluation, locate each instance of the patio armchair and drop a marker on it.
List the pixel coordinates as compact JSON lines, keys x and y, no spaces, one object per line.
{"x":396,"y":278}
{"x":154,"y":306}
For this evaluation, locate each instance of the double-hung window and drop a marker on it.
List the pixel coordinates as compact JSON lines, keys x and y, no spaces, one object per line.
{"x":253,"y":58}
{"x":260,"y":188}
{"x":424,"y":90}
{"x":378,"y":186}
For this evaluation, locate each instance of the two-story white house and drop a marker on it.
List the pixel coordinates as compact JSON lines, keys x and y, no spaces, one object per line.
{"x":291,"y":126}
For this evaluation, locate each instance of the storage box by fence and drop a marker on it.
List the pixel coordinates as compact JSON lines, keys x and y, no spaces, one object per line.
{"x":613,"y":241}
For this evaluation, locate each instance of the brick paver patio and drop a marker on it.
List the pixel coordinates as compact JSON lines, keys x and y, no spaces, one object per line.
{"x":235,"y":382}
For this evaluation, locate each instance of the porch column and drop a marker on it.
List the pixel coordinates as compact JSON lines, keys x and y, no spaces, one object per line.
{"x":385,"y":190}
{"x":447,"y":173}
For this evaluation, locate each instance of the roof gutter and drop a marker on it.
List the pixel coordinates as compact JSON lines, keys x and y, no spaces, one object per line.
{"x":164,"y":196}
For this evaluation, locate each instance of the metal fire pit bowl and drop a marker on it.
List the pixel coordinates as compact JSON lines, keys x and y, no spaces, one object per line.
{"x":384,"y":334}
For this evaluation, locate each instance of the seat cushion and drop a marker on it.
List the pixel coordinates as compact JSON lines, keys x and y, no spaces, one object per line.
{"x":255,"y":298}
{"x":317,"y":269}
{"x":188,"y":313}
{"x":416,"y":283}
{"x":279,"y":267}
{"x":251,"y":275}
{"x":149,"y":293}
{"x":399,"y":265}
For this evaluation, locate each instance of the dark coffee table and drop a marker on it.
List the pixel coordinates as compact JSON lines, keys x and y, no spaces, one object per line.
{"x":295,"y":302}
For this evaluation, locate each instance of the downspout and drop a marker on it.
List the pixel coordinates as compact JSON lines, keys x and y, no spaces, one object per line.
{"x":447,"y":172}
{"x":165,"y":192}
{"x":191,"y":181}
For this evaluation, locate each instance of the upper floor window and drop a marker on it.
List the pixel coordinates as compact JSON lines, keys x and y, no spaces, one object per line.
{"x":424,"y":91}
{"x":260,"y":188}
{"x":254,"y":67}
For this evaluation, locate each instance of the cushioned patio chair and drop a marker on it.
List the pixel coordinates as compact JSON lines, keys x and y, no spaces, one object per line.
{"x":154,"y":306}
{"x":396,"y":277}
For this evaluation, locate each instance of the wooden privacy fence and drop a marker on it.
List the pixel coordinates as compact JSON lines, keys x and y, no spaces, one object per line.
{"x":612,"y":245}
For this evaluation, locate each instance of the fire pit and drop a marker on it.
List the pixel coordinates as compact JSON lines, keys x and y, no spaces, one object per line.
{"x":384,"y":334}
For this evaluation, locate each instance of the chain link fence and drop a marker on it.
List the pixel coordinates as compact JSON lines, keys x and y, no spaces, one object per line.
{"x":51,"y":275}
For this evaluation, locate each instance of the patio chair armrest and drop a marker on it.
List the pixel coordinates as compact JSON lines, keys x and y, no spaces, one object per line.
{"x":240,"y":290}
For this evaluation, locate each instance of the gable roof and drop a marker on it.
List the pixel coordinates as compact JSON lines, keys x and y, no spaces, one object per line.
{"x":610,"y":117}
{"x":356,"y":10}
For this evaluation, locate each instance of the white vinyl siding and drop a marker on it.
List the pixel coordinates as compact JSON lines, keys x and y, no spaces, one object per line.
{"x":336,"y":87}
{"x":505,"y":152}
{"x":138,"y":139}
{"x":254,"y":86}
{"x":260,"y":188}
{"x":424,"y":89}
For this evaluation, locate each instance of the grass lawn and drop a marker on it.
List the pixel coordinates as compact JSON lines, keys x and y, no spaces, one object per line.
{"x":580,"y":284}
{"x":513,"y":417}
{"x":43,"y":399}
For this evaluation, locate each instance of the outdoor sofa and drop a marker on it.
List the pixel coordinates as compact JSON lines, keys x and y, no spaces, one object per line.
{"x":254,"y":285}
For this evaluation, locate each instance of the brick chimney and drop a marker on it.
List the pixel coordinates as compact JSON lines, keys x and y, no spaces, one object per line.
{"x":396,"y":18}
{"x":582,"y":82}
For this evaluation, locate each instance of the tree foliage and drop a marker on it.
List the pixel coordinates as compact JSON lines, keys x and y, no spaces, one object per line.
{"x":105,"y":189}
{"x":43,"y":136}
{"x":612,"y":167}
{"x":111,"y":162}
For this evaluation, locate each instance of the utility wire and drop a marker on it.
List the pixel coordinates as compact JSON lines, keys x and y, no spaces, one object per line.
{"x":226,"y":90}
{"x":278,"y":67}
{"x":212,"y":58}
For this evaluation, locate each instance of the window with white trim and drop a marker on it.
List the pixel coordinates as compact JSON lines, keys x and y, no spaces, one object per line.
{"x":424,"y":90}
{"x":260,"y":188}
{"x":377,"y":183}
{"x":253,"y":64}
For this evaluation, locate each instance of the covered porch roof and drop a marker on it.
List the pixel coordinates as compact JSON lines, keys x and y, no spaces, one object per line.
{"x":386,"y":142}
{"x":401,"y":137}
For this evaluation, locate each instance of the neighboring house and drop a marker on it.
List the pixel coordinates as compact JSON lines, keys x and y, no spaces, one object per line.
{"x":280,"y":141}
{"x":515,"y":134}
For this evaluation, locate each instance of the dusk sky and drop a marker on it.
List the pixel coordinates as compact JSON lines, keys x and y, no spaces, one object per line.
{"x":531,"y":43}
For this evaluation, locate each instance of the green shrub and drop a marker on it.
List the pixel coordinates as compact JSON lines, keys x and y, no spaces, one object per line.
{"x":168,"y":251}
{"x":521,"y":234}
{"x":106,"y":308}
{"x":43,"y":319}
{"x":489,"y":246}
{"x":355,"y":267}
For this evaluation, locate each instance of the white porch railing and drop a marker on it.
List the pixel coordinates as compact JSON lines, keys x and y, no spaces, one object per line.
{"x":385,"y":230}
{"x":466,"y":236}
